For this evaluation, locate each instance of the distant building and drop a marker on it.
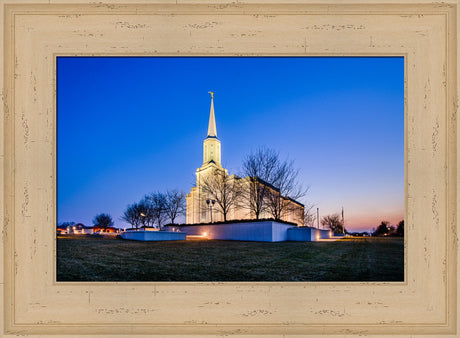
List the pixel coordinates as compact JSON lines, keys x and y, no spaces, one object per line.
{"x":61,"y":230}
{"x":197,"y":208}
{"x":110,"y":230}
{"x":79,"y":229}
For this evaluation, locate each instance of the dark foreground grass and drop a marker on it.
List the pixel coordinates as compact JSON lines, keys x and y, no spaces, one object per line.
{"x":361,"y":259}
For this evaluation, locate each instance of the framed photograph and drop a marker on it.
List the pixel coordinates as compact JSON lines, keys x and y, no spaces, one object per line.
{"x":41,"y":39}
{"x":132,"y":131}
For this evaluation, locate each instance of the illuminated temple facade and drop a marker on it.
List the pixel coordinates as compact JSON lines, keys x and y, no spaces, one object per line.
{"x":198,"y":210}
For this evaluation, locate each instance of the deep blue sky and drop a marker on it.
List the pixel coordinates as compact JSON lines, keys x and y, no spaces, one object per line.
{"x":131,"y":126}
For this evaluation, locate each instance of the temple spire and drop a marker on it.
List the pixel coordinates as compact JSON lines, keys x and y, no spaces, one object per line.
{"x":212,"y":132}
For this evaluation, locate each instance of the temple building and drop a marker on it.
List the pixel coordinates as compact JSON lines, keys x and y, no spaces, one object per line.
{"x":201,"y":204}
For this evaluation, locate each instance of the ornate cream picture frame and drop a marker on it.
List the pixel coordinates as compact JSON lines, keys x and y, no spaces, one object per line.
{"x":34,"y":33}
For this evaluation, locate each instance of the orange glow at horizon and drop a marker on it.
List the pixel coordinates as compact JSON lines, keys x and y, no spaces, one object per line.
{"x":368,"y":222}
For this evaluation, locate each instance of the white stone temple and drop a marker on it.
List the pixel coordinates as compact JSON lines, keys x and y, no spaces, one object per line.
{"x":198,"y":211}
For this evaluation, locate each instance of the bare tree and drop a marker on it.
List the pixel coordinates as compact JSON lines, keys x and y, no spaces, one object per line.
{"x":146,"y":212}
{"x":103,"y":221}
{"x":259,"y":166}
{"x":65,"y":224}
{"x":223,"y":189}
{"x":139,"y":214}
{"x":287,"y":188}
{"x":272,"y":183}
{"x":333,"y":222}
{"x":174,"y":204}
{"x":383,"y":229}
{"x":157,"y":204}
{"x":400,"y":229}
{"x":310,"y":215}
{"x":132,"y":215}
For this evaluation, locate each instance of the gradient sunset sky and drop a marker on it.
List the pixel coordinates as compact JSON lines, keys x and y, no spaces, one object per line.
{"x":131,"y":126}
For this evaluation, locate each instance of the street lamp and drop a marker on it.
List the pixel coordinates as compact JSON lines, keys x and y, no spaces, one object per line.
{"x":143,"y":219}
{"x":211,"y":204}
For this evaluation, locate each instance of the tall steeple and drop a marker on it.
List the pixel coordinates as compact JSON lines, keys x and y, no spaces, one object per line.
{"x":212,"y":132}
{"x":211,"y":145}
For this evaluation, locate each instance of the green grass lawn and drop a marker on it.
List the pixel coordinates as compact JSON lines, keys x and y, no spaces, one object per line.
{"x":87,"y":258}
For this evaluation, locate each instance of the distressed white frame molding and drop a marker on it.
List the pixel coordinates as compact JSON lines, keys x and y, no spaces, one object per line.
{"x":34,"y":33}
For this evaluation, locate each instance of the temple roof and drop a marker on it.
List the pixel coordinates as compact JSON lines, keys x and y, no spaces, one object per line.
{"x":212,"y":132}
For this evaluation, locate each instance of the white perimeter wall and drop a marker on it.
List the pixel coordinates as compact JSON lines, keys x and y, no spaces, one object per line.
{"x":267,"y":231}
{"x":307,"y":234}
{"x":153,"y":235}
